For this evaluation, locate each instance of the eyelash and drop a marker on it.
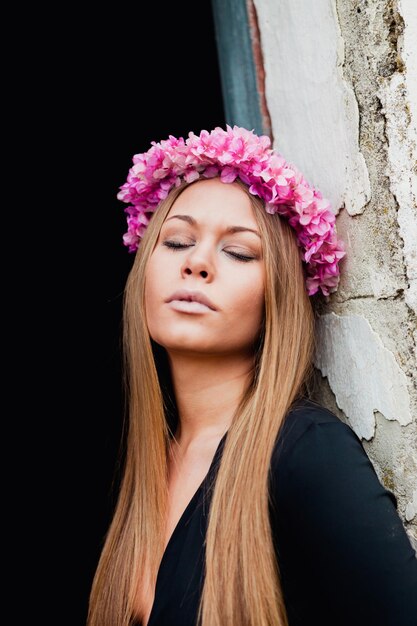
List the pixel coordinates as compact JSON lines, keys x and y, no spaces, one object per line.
{"x":174,"y":245}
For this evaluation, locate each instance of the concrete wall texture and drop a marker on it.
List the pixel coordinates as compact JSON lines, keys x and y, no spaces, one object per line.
{"x":341,"y":94}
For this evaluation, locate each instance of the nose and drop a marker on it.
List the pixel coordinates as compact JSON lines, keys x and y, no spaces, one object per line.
{"x":198,"y":264}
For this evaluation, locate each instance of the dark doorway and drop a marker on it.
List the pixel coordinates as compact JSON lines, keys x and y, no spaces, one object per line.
{"x":146,"y":71}
{"x":88,"y":86}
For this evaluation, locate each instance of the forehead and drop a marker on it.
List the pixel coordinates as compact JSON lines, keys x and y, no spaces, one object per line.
{"x":214,"y":202}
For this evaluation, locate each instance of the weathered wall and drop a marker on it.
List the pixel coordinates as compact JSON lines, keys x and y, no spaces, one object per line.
{"x":341,"y":92}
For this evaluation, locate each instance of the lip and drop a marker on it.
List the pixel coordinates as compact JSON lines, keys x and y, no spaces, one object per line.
{"x":186,"y":295}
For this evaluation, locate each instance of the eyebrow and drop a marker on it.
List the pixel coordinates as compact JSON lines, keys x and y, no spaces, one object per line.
{"x":229,"y":229}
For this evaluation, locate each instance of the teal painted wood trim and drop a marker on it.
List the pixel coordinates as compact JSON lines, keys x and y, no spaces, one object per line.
{"x":241,"y":100}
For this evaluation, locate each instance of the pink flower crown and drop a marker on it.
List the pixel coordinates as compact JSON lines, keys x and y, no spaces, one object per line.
{"x":230,"y":154}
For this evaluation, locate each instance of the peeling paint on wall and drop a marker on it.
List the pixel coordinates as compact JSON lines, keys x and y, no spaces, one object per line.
{"x":398,"y":95}
{"x":297,"y":60}
{"x":362,"y":373}
{"x":343,"y":108}
{"x":411,"y":509}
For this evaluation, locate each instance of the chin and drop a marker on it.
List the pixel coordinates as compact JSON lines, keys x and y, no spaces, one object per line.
{"x":188,"y":344}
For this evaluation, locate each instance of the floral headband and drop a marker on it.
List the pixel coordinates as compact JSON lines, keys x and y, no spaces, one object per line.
{"x":230,"y":154}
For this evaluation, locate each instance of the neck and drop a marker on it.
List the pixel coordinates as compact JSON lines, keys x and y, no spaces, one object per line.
{"x":208,"y":390}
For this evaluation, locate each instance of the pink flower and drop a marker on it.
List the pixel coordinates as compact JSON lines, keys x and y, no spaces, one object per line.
{"x":237,"y":153}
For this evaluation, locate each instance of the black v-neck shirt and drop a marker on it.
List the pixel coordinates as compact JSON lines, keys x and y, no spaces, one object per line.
{"x":344,"y":556}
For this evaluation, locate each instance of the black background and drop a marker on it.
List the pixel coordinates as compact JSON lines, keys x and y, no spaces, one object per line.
{"x":157,"y":74}
{"x":152,"y":75}
{"x":87,"y":88}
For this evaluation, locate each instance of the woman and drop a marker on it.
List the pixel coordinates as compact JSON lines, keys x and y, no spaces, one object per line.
{"x":243,"y":502}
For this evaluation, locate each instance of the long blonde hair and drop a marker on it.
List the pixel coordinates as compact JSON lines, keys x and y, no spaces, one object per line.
{"x":242,"y":579}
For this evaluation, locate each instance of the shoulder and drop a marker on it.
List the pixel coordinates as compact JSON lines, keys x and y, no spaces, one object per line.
{"x":301,"y":423}
{"x":304,"y":413}
{"x":336,"y":527}
{"x":316,"y":451}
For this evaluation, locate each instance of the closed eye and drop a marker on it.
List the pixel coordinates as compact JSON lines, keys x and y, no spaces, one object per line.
{"x":239,"y":256}
{"x":176,"y":245}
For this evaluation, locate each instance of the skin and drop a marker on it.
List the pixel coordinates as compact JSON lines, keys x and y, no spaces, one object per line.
{"x":210,"y":352}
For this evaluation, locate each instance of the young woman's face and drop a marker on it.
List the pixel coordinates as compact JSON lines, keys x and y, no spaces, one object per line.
{"x":204,"y":284}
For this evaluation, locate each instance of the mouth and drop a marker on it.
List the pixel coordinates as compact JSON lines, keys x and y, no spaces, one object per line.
{"x":190,"y":301}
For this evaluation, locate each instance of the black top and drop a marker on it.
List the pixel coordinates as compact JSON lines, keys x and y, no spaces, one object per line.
{"x":343,"y":553}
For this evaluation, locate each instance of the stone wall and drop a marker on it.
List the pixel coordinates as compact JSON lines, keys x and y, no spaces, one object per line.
{"x":340,"y":88}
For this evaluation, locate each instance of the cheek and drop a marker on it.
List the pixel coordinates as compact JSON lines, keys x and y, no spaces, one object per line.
{"x":248,"y":305}
{"x":255,"y":304}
